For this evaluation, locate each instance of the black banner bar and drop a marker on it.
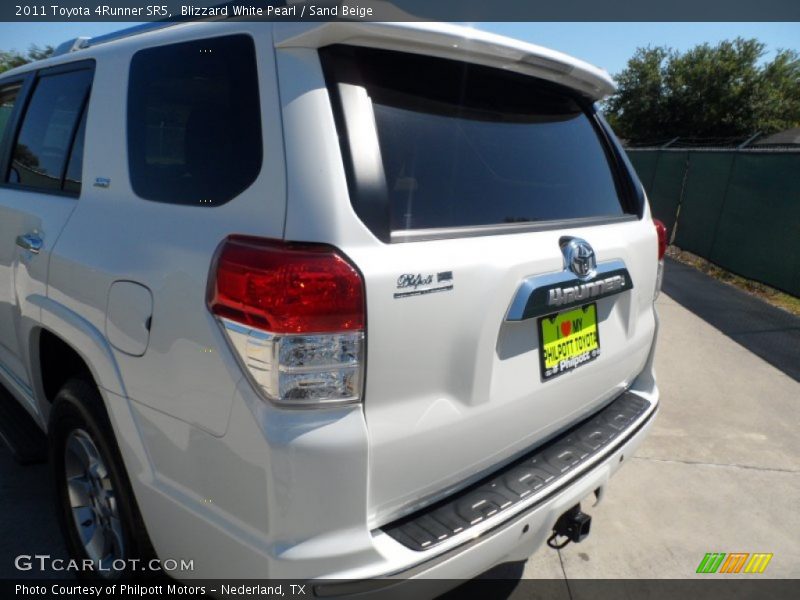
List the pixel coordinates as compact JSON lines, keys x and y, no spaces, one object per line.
{"x":400,"y":10}
{"x":738,"y":587}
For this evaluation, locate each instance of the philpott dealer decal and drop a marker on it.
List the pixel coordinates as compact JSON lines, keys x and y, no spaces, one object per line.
{"x":416,"y":284}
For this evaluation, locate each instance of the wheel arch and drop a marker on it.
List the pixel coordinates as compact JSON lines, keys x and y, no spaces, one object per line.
{"x":77,"y":348}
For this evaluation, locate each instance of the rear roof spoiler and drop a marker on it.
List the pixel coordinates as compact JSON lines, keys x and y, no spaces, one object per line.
{"x":454,"y":42}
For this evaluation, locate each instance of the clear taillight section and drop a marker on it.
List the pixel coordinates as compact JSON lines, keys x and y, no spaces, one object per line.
{"x":294,"y":314}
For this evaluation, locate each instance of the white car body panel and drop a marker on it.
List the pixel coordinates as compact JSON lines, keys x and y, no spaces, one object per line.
{"x":456,"y":390}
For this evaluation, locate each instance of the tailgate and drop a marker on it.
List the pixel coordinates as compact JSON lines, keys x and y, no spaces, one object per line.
{"x":453,"y":388}
{"x":476,"y":202}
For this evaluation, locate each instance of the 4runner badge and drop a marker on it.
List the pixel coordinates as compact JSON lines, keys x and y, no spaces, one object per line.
{"x":417,"y":284}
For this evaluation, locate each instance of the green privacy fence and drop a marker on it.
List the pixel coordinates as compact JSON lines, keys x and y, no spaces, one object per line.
{"x":740,"y":209}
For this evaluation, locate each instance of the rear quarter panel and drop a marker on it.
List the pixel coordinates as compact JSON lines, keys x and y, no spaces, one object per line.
{"x":186,"y":370}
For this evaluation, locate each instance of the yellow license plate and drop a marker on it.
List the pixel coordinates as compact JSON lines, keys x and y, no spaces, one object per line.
{"x":568,"y":340}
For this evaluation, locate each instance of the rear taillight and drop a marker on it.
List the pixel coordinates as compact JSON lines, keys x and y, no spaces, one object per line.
{"x":661,"y":231}
{"x":294,"y":314}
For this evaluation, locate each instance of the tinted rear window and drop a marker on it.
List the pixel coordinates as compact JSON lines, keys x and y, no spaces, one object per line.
{"x":464,"y":145}
{"x":194,"y":124}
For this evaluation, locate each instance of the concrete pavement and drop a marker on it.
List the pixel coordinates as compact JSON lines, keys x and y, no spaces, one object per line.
{"x":28,"y":524}
{"x":720,"y":471}
{"x":765,"y":330}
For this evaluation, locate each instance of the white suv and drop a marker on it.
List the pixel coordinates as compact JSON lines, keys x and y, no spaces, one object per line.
{"x":338,"y":300}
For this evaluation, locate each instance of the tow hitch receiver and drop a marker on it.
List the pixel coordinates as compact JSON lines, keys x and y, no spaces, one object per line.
{"x":573,"y":525}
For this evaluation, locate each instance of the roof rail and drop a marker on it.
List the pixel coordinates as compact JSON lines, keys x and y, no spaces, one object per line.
{"x":71,"y":46}
{"x":80,"y":43}
{"x":84,"y":42}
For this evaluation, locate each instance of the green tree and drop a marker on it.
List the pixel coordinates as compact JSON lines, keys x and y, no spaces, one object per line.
{"x":708,"y":91}
{"x":11,"y":59}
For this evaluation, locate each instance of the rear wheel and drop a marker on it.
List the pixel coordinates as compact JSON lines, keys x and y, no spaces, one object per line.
{"x":96,"y":508}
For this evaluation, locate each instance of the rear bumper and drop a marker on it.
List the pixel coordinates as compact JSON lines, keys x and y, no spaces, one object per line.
{"x":514,"y":535}
{"x":501,"y":536}
{"x":525,"y":482}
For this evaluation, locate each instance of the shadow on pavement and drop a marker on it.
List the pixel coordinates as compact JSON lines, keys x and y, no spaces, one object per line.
{"x":504,"y":582}
{"x":768,"y":332}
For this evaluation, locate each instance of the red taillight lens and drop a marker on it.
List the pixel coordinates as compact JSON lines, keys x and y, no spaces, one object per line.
{"x":663,"y":241}
{"x":286,"y":288}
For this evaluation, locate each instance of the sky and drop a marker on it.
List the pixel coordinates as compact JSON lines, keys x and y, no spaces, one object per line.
{"x":607,"y":45}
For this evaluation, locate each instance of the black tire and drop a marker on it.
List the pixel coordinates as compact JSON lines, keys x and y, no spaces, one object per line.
{"x":77,"y":414}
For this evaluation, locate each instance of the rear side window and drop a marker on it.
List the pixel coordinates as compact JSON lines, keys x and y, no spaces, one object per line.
{"x":49,"y":130}
{"x":8,"y":96}
{"x":469,"y":146}
{"x":194,"y":124}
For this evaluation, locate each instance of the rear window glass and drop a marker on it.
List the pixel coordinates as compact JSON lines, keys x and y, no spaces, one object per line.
{"x":464,"y":145}
{"x":194,"y":124}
